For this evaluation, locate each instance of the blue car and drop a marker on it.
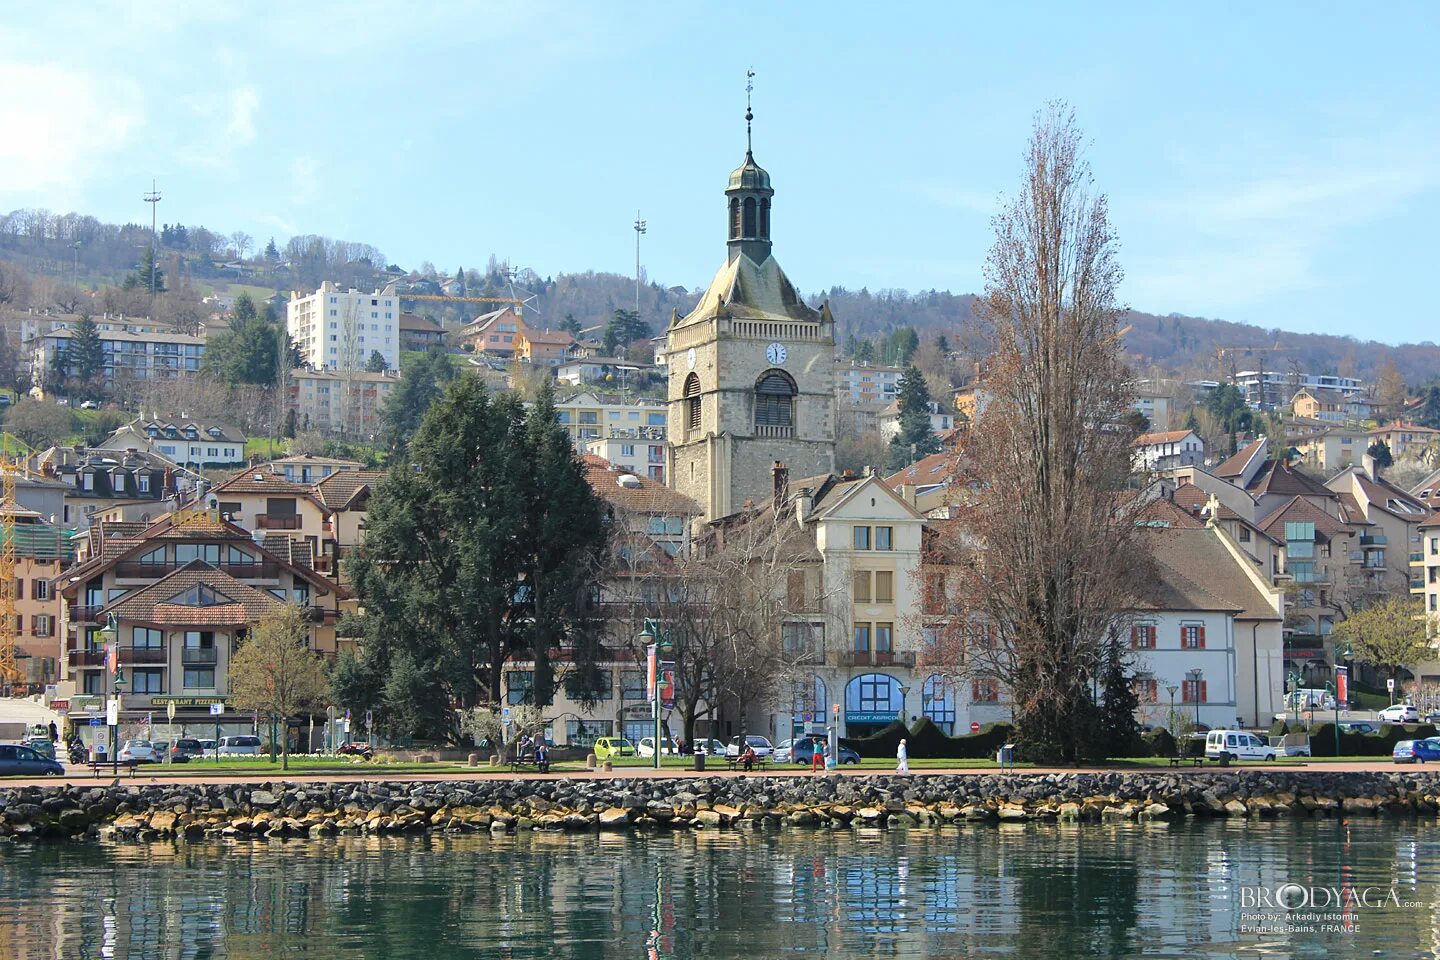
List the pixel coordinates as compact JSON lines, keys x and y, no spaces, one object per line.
{"x":1427,"y":749}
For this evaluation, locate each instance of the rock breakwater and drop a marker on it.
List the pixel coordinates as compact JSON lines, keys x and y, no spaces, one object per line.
{"x":290,"y":809}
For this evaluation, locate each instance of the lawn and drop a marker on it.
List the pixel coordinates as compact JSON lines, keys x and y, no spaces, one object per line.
{"x":267,"y":447}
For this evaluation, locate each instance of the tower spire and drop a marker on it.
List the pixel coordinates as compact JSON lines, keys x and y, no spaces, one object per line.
{"x":749,"y":115}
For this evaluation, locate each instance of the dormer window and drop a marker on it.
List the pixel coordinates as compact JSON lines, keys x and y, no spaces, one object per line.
{"x":200,"y":595}
{"x":142,"y":481}
{"x":214,"y":432}
{"x":152,"y":431}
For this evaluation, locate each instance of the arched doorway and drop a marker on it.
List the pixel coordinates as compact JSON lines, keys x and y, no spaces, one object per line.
{"x":872,"y":701}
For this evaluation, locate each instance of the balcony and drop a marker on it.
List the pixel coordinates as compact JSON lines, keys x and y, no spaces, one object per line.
{"x":267,"y":521}
{"x":1372,"y":540}
{"x":128,"y":656}
{"x":85,"y":614}
{"x":774,"y":432}
{"x":258,"y":570}
{"x":856,"y":658}
{"x":202,"y":656}
{"x":891,"y":658}
{"x":1417,"y":558}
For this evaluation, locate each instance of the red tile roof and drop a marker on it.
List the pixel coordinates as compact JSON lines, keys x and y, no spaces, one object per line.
{"x":152,"y":604}
{"x":1167,"y":436}
{"x":644,"y":496}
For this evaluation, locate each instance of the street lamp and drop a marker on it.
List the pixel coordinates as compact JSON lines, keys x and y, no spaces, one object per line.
{"x":1170,"y":720}
{"x":655,"y":651}
{"x":1194,"y":677}
{"x":904,"y":691}
{"x":111,"y":634}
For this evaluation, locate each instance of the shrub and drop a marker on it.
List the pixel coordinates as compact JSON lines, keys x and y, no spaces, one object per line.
{"x":1160,"y":742}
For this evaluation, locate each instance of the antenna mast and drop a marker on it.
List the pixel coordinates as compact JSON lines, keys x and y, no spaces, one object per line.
{"x":153,"y":198}
{"x":749,"y":85}
{"x":639,"y":230}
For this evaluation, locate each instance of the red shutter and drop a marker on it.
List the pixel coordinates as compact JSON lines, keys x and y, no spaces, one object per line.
{"x":1135,"y":637}
{"x":1203,"y":697}
{"x":1150,"y":636}
{"x":1200,"y":631}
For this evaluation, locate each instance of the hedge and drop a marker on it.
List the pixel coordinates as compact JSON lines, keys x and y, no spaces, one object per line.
{"x":926,"y":740}
{"x":1381,"y":744}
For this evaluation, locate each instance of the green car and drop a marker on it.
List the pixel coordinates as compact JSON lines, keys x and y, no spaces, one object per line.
{"x":608,"y":748}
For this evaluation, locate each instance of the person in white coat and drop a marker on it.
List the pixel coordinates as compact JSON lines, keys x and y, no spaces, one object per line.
{"x":902,"y":758}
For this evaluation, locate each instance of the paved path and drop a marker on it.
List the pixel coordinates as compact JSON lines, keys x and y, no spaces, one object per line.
{"x":374,"y":774}
{"x":25,"y":710}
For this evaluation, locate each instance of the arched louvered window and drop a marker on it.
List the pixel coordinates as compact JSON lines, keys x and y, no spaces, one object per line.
{"x":749,"y":218}
{"x":734,"y":218}
{"x":765,"y":219}
{"x":692,"y":402}
{"x":775,"y":399}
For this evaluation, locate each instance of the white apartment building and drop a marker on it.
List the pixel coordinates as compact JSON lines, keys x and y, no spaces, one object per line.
{"x":134,"y":349}
{"x":863,"y":383}
{"x":339,"y":329}
{"x":941,"y":420}
{"x":634,"y":453}
{"x":589,"y":416}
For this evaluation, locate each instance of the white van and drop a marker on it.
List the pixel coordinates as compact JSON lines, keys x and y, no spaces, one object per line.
{"x":1236,"y":745}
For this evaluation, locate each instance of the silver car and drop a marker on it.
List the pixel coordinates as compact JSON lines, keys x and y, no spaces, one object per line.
{"x":243,"y":746}
{"x":138,"y":751}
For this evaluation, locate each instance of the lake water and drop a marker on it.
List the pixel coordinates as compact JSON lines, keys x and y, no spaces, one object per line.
{"x":1022,"y":891}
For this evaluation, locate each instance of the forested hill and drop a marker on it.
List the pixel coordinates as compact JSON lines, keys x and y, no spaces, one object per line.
{"x":44,"y":257}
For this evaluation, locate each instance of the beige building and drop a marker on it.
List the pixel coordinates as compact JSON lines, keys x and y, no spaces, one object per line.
{"x":42,"y":551}
{"x":590,"y":416}
{"x":330,"y":401}
{"x":1331,"y":450}
{"x":1404,"y":439}
{"x":751,"y":368}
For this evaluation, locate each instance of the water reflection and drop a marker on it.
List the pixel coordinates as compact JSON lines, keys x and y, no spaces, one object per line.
{"x":1016,"y":890}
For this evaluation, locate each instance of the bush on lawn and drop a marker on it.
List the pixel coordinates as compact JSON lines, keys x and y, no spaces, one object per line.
{"x":926,"y":740}
{"x":1160,"y":742}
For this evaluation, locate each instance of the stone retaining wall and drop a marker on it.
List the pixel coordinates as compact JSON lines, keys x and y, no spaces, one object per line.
{"x":319,"y":809}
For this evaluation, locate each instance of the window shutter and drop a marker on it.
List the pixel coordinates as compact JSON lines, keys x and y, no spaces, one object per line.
{"x":1203,"y":697}
{"x":1135,"y":637}
{"x":1200,"y":633}
{"x":19,"y":589}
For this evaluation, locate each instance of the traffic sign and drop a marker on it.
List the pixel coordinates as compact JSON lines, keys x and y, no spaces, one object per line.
{"x":504,"y":713}
{"x":216,"y":709}
{"x":974,"y":726}
{"x":1390,"y":684}
{"x":170,"y":711}
{"x":96,"y":722}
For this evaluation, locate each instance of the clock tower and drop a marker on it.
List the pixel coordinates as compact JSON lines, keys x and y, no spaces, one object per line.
{"x":752,"y":368}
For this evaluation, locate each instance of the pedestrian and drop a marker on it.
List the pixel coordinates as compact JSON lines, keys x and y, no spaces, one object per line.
{"x":54,"y":732}
{"x":902,"y":758}
{"x":542,"y":757}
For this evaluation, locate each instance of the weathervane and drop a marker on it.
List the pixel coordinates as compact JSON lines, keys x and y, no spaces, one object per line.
{"x":749,"y":85}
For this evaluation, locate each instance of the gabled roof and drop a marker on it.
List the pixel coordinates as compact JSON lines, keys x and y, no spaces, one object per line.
{"x":557,"y":337}
{"x":156,"y":602}
{"x":1163,"y":512}
{"x":938,"y":468}
{"x":1166,"y":436}
{"x":1381,"y":493}
{"x":746,"y":290}
{"x":1299,"y":510}
{"x":1401,"y":427}
{"x":1235,"y":466}
{"x":264,"y":482}
{"x":1195,"y":571}
{"x":639,"y":494}
{"x":340,"y":489}
{"x":1278,"y":477}
{"x":414,"y":321}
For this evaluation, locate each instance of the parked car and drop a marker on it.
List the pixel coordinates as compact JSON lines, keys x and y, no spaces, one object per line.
{"x":42,"y":745}
{"x":1400,"y":713}
{"x":20,"y":761}
{"x":710,"y":748}
{"x":208,"y":746}
{"x":608,"y":748}
{"x":1292,"y":744}
{"x":1357,"y":726}
{"x":356,"y":748}
{"x":760,"y":745}
{"x":646,"y":747}
{"x":1404,"y":752}
{"x":1427,"y":750}
{"x":1236,"y":745}
{"x":241,"y":746}
{"x":185,"y":748}
{"x":804,"y":749}
{"x":138,"y":751}
{"x":89,"y":405}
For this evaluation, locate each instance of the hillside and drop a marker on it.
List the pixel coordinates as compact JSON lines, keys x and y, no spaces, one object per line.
{"x":46,"y":253}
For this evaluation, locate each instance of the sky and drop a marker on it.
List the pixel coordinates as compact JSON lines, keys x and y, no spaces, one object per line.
{"x":1276,"y":164}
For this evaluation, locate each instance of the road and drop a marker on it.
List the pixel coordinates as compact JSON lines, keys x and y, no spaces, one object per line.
{"x":15,"y":710}
{"x":628,"y":773}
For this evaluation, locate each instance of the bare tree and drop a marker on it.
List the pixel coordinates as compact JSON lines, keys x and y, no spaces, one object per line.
{"x":1043,"y":562}
{"x":242,"y":242}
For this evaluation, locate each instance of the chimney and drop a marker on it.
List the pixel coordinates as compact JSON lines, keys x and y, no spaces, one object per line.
{"x":1367,"y":464}
{"x":781,"y":477}
{"x":804,"y":501}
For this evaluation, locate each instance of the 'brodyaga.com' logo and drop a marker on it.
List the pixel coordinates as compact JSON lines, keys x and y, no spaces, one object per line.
{"x":1295,"y":896}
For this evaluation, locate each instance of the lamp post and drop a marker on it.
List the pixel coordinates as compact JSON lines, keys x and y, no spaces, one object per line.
{"x":656,"y":669}
{"x":1170,"y":718}
{"x":904,"y":692}
{"x":111,"y":633}
{"x":1194,"y":677}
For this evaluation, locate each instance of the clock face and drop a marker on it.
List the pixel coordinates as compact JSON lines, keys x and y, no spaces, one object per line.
{"x":690,"y":358}
{"x":776,"y":353}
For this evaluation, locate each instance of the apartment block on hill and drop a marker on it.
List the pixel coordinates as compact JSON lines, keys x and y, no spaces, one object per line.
{"x":339,"y":329}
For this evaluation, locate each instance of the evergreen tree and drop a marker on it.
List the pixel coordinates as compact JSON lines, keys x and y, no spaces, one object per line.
{"x":942,"y":343}
{"x":411,"y":398}
{"x":1380,"y":450}
{"x":1428,"y":413}
{"x":1117,"y":730}
{"x":916,"y":438}
{"x":292,"y":424}
{"x":140,"y":279}
{"x":570,"y":325}
{"x":86,"y":354}
{"x":850,"y":345}
{"x":907,"y":341}
{"x":624,"y":328}
{"x":251,"y":350}
{"x":865,"y":352}
{"x":376,"y":363}
{"x":460,"y":281}
{"x":476,"y":548}
{"x":272,"y":252}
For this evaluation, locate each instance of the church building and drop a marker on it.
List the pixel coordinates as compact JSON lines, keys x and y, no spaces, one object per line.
{"x":751,"y":368}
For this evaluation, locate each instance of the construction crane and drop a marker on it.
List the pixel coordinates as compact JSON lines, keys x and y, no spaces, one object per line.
{"x":514,"y":301}
{"x":1248,"y":350}
{"x":14,"y":460}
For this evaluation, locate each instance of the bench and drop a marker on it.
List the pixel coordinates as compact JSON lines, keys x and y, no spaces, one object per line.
{"x":1196,"y":761}
{"x":527,"y":762}
{"x":97,"y":765}
{"x":734,"y":762}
